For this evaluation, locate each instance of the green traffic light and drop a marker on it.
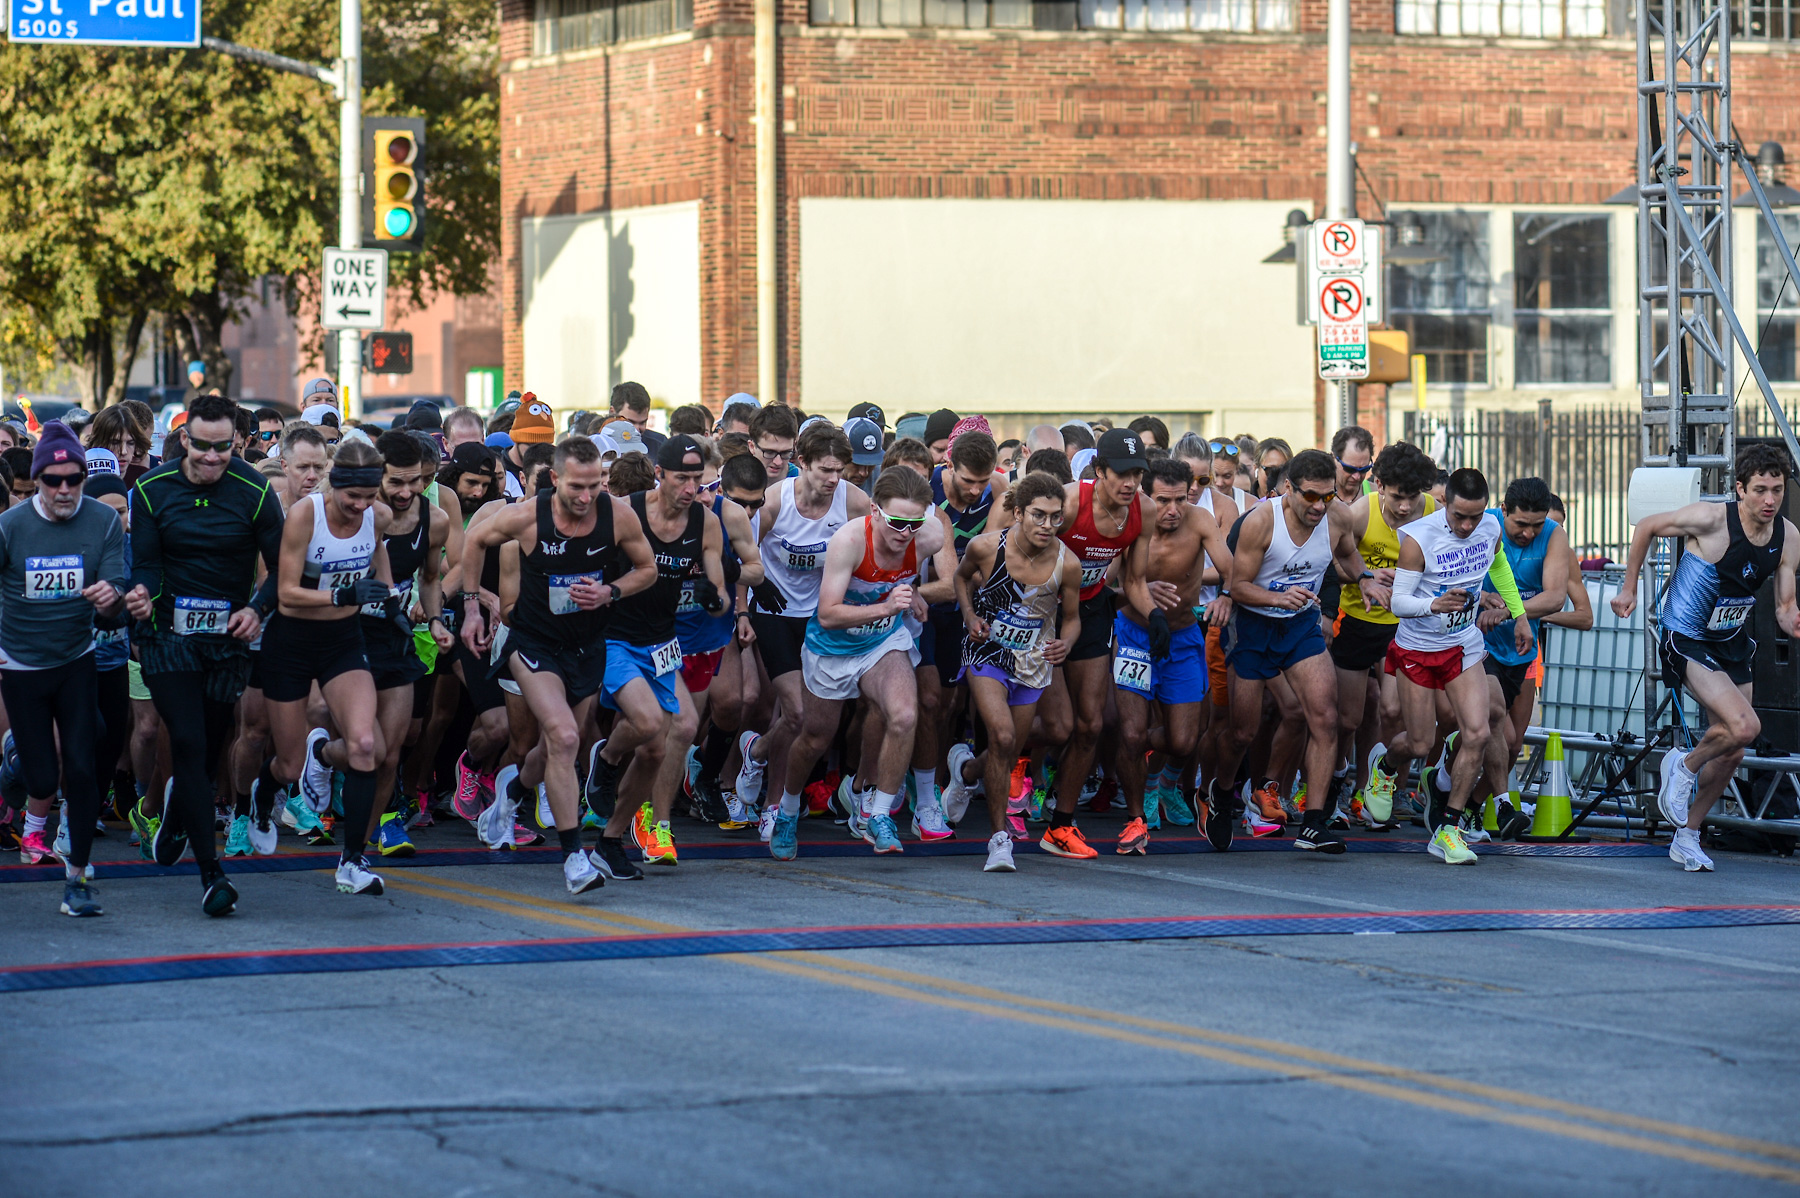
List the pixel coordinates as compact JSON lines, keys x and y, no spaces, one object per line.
{"x":397,"y":221}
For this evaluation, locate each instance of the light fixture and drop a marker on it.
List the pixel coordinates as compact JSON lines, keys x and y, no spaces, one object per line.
{"x":1409,"y":248}
{"x":1297,"y":219}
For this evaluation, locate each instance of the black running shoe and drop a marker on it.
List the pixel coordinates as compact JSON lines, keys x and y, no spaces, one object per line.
{"x":602,"y":784}
{"x":1316,"y":836}
{"x":1513,"y":822}
{"x":610,"y":859}
{"x":1219,"y":820}
{"x":712,"y":802}
{"x":1437,"y":802}
{"x":169,"y":844}
{"x":220,"y":896}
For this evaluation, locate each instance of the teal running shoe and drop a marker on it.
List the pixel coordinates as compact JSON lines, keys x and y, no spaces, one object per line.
{"x":297,"y":814}
{"x":237,"y":841}
{"x":1175,"y":806}
{"x":881,"y":832}
{"x":784,"y":841}
{"x":1153,"y":807}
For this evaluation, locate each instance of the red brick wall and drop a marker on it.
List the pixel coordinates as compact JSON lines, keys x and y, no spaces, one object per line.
{"x":1056,"y":116}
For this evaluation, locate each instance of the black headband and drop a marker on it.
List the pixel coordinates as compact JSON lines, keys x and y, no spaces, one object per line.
{"x":357,"y":476}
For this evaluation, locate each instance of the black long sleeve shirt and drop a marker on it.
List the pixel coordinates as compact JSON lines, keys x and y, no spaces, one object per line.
{"x":201,"y":542}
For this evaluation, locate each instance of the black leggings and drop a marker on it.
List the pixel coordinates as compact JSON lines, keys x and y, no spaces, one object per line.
{"x":115,"y":725}
{"x":46,"y":704}
{"x":199,"y":729}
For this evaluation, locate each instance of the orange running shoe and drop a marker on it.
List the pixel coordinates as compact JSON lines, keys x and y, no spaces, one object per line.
{"x":1268,"y":803}
{"x":1134,"y":838}
{"x":1067,"y":841}
{"x":1019,"y":792}
{"x":643,"y":828}
{"x":815,"y":797}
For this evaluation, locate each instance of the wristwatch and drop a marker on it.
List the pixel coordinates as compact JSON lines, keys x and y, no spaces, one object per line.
{"x":614,"y":588}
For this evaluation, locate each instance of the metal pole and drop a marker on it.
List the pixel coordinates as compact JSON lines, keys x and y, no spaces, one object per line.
{"x":766,"y":131}
{"x":349,"y":69}
{"x":1338,"y":180}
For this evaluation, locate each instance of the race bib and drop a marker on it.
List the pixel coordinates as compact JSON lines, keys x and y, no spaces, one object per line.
{"x":111,"y":636}
{"x":54,"y":577}
{"x":333,"y":575}
{"x":1456,"y":621}
{"x":1013,"y":631}
{"x":1093,"y":573}
{"x":666,"y":657}
{"x":801,"y":558}
{"x":1729,"y":614}
{"x":378,"y":611}
{"x":201,"y":617}
{"x":687,"y":602}
{"x":561,"y":604}
{"x":1131,"y":669}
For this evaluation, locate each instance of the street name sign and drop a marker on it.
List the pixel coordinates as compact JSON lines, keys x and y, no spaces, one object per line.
{"x":353,"y":294}
{"x":104,"y":22}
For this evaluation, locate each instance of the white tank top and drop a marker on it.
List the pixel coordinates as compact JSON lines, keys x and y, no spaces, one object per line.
{"x":1207,"y":594}
{"x":1286,"y":565}
{"x":1452,"y":563}
{"x":332,"y":561}
{"x":794,"y":551}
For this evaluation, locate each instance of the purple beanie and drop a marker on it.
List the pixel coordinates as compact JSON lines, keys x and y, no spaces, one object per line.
{"x":56,"y":445}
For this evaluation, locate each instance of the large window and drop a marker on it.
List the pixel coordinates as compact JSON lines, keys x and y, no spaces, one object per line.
{"x":1777,"y":302}
{"x":1505,"y":18}
{"x":1241,"y":16}
{"x":1562,"y":298}
{"x":1776,"y":20}
{"x":1446,"y":306}
{"x":563,"y":25}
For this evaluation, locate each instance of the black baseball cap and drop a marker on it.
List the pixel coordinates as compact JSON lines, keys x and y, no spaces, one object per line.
{"x":677,"y":451}
{"x":1121,"y":449}
{"x":867,"y":411}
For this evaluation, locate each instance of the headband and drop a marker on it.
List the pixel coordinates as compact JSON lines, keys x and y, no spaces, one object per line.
{"x":357,"y":476}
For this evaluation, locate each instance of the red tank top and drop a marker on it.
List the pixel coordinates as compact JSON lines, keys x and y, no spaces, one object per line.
{"x":1097,"y":552}
{"x":868,"y":571}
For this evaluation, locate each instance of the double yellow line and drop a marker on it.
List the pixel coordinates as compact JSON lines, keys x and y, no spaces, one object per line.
{"x":1516,"y":1108}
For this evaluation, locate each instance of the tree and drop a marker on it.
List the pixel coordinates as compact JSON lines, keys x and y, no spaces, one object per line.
{"x":139,"y":182}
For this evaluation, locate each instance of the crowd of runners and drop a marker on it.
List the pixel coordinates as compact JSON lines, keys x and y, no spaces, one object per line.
{"x":341,"y":633}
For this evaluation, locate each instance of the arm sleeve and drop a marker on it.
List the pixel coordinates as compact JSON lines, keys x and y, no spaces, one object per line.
{"x":146,"y":543}
{"x":1501,"y":575}
{"x":1405,"y":601}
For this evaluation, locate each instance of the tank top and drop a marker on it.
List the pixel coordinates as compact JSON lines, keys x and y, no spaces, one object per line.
{"x":965,"y":524}
{"x":1527,"y":562}
{"x":1098,"y":552}
{"x":1712,"y":601}
{"x":406,"y":553}
{"x":1452,"y":563}
{"x":794,"y":551}
{"x":869,"y":584}
{"x":333,"y":561}
{"x":698,"y":631}
{"x":1207,"y":593}
{"x":1380,"y":549}
{"x":648,"y":618}
{"x":545,"y":611}
{"x":1287,"y":566}
{"x":1019,"y":619}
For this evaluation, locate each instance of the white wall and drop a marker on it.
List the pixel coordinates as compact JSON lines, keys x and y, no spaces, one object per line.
{"x":1077,"y":306}
{"x":612,"y":296}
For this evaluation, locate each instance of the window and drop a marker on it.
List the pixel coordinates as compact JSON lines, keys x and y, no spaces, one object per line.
{"x":1507,"y":18}
{"x":1777,"y":302}
{"x":1241,"y":16}
{"x":1447,"y":306}
{"x":1774,"y":20}
{"x":1562,"y":298}
{"x":563,"y":25}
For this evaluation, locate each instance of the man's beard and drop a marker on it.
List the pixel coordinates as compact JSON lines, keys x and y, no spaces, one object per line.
{"x":470,"y":506}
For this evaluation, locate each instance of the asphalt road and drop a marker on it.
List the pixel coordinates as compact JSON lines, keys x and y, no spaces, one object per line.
{"x":1542,"y":1062}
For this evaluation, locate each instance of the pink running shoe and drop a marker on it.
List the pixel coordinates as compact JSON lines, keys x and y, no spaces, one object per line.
{"x":466,"y":802}
{"x":34,"y":847}
{"x":525,"y":837}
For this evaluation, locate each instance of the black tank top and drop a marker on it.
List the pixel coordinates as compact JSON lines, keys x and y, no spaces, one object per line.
{"x":648,"y":617}
{"x":1744,"y":567}
{"x":545,"y":612}
{"x":406,"y":553}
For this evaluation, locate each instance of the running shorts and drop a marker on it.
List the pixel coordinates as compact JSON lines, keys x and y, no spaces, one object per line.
{"x":1731,"y":658}
{"x":393,"y":659}
{"x":1217,"y":674}
{"x":298,"y":653}
{"x":1433,"y":670}
{"x":1263,"y":646}
{"x":1178,"y":678}
{"x":830,"y":676}
{"x":627,"y":662}
{"x":778,"y":641}
{"x":1016,"y":695}
{"x":1512,"y":678}
{"x":699,"y":669}
{"x":581,"y":669}
{"x":1360,"y":645}
{"x":1096,"y":628}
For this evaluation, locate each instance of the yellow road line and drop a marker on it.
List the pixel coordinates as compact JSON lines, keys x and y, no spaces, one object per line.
{"x":1327,"y":1068}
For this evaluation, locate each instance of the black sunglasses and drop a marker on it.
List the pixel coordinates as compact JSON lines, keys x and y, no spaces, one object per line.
{"x":196,"y":445}
{"x":750,"y":505}
{"x":57,"y":482}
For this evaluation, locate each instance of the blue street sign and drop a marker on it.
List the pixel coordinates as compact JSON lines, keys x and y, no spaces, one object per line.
{"x":104,"y":22}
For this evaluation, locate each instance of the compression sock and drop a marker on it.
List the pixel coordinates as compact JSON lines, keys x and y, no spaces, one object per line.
{"x":717,"y":749}
{"x":790,"y":803}
{"x":241,"y":805}
{"x":267,"y":786}
{"x":359,"y":800}
{"x":1062,"y":819}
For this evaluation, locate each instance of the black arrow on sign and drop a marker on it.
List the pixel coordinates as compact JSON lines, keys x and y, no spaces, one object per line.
{"x":347,"y":311}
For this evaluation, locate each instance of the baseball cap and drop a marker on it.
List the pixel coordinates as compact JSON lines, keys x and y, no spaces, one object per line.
{"x":498,"y":441}
{"x":320,"y":414}
{"x":865,"y":441}
{"x":741,"y":399}
{"x":534,"y":424}
{"x":102,"y":461}
{"x":423,"y":414}
{"x":319,"y":387}
{"x":681,"y":452}
{"x":1121,"y":449}
{"x":1081,"y":461}
{"x":867,"y":411}
{"x":624,"y":435}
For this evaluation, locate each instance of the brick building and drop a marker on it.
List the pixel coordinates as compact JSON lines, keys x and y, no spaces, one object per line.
{"x":1027,"y":208}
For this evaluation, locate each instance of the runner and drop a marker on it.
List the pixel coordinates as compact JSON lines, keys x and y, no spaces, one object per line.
{"x":569,"y":539}
{"x":644,"y":681}
{"x":199,"y":523}
{"x":62,"y":561}
{"x":1284,"y":546}
{"x":1728,"y":550}
{"x":1159,"y":666}
{"x":1436,"y":593}
{"x":855,"y":646}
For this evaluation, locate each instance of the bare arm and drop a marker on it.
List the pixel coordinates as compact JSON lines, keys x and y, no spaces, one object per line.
{"x":1555,"y":594}
{"x":977,"y":563}
{"x":942,"y":587}
{"x":628,"y":534}
{"x":1694,"y":520}
{"x":1580,"y":615}
{"x":1786,"y":614}
{"x":1134,"y":580}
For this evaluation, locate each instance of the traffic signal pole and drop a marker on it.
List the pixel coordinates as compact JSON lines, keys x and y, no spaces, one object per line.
{"x":349,"y":70}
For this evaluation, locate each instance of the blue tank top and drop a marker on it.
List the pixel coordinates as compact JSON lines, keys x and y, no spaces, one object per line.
{"x":1712,"y":601}
{"x":1527,"y":564}
{"x":965,"y":525}
{"x":697,"y":631}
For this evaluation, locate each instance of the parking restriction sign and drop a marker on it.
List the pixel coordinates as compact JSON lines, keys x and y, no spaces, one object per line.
{"x":1338,"y":246}
{"x":1343,"y":328}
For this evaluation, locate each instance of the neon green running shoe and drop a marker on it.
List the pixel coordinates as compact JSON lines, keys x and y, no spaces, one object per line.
{"x":1447,"y":846}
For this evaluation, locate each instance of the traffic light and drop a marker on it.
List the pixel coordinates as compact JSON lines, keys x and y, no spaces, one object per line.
{"x":393,"y":183}
{"x":388,"y":353}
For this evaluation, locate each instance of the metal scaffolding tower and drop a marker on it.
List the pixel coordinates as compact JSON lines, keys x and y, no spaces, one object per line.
{"x":1688,"y":349}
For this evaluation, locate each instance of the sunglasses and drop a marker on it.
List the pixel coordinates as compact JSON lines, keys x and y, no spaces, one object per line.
{"x":57,"y":482}
{"x":196,"y":445}
{"x":903,"y":523}
{"x":1347,"y":468}
{"x":1312,"y":497}
{"x":750,"y":505}
{"x":1228,"y":448}
{"x":272,"y":435}
{"x":1204,"y":480}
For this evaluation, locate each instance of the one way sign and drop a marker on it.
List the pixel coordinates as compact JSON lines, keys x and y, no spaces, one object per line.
{"x":355,"y":292}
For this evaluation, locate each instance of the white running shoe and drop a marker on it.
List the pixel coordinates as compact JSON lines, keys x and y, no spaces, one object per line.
{"x":928,"y":819}
{"x":355,"y":877}
{"x":957,"y":792}
{"x":740,"y":812}
{"x":765,"y":822}
{"x":1676,"y":789}
{"x":262,"y":836}
{"x":1686,"y":852}
{"x":855,"y":804}
{"x":750,"y":774}
{"x":581,"y":875}
{"x":546,"y":819}
{"x":1000,"y":858}
{"x":495,"y":825}
{"x":63,"y":847}
{"x":315,"y":775}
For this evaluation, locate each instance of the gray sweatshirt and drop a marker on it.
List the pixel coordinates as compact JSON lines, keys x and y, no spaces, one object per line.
{"x":44,"y":566}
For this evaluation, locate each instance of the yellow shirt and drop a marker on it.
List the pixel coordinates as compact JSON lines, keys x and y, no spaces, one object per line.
{"x":1380,"y":549}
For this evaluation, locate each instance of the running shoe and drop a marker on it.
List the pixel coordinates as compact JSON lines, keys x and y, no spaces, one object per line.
{"x":391,"y":838}
{"x":1378,"y":793}
{"x":1039,"y":810}
{"x":603,"y":782}
{"x":1437,"y":807}
{"x":1686,"y":852}
{"x":1134,"y":838}
{"x":1106,"y":796}
{"x":466,"y":801}
{"x":297,"y":815}
{"x":712,"y":803}
{"x":580,"y":875}
{"x":1216,"y":820}
{"x":765,"y":821}
{"x":881,"y":832}
{"x":169,"y":844}
{"x":61,"y":845}
{"x":1153,"y":807}
{"x":237,"y":841}
{"x":610,"y":859}
{"x":35,"y":848}
{"x":1267,"y":801}
{"x":1018,"y":788}
{"x":750,"y":774}
{"x":496,"y":824}
{"x":784,"y":837}
{"x":1447,"y":846}
{"x":957,"y":792}
{"x":643,"y":820}
{"x":262,"y":820}
{"x":928,"y":819}
{"x":1317,"y":836}
{"x":315,"y":775}
{"x":421,"y":817}
{"x":355,"y":877}
{"x":1676,"y":788}
{"x":1175,"y":806}
{"x":1000,"y":854}
{"x":690,"y":773}
{"x":1090,"y":787}
{"x":524,"y":838}
{"x":853,"y":803}
{"x":1473,"y":827}
{"x":1067,"y":841}
{"x":217,"y":895}
{"x":1512,"y":822}
{"x":144,"y":826}
{"x":738,"y":815}
{"x":79,"y":898}
{"x":661,"y":849}
{"x":546,"y":819}
{"x":1258,"y":827}
{"x":1015,"y":824}
{"x":590,"y":818}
